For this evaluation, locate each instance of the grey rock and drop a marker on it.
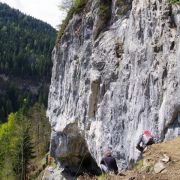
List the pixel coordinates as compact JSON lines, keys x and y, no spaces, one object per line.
{"x":55,"y":175}
{"x":125,"y":81}
{"x":159,"y":166}
{"x":131,"y":178}
{"x":165,"y":158}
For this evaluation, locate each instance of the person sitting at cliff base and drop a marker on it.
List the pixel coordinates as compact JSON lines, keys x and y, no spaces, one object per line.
{"x":144,"y":140}
{"x":108,"y":163}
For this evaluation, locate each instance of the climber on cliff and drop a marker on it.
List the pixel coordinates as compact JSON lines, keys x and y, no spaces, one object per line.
{"x":50,"y":159}
{"x":144,"y":140}
{"x":46,"y":158}
{"x":78,"y":33}
{"x":108,"y":163}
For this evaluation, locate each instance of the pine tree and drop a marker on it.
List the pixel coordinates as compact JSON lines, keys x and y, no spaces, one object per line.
{"x":24,"y":155}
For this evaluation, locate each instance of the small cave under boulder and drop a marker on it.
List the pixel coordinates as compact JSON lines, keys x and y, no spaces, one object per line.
{"x":73,"y":155}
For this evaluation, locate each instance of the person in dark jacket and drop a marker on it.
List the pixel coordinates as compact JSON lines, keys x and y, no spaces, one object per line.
{"x":108,"y":163}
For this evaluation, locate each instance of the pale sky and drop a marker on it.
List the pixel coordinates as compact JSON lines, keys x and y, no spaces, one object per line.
{"x":46,"y":10}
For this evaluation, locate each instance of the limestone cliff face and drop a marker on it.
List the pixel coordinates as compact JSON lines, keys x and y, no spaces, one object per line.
{"x":114,"y":75}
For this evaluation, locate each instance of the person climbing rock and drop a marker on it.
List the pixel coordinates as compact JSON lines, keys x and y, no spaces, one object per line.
{"x":46,"y":158}
{"x":144,"y":140}
{"x":108,"y":163}
{"x":78,"y":33}
{"x":50,"y":159}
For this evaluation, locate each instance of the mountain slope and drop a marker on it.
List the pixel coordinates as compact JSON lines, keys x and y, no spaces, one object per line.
{"x":26,"y":44}
{"x":25,"y":59}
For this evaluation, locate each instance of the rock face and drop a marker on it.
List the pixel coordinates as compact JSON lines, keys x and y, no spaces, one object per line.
{"x":114,"y":76}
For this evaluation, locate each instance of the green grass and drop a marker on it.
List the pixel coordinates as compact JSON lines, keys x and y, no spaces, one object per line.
{"x":103,"y":177}
{"x":139,"y":165}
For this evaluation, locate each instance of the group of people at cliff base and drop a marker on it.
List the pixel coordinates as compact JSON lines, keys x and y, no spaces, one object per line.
{"x":108,"y":162}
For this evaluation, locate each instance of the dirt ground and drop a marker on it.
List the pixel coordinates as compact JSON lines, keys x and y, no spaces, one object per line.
{"x":152,"y":155}
{"x":154,"y":152}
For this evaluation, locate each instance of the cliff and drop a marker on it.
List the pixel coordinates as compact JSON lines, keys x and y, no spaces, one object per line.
{"x":115,"y":73}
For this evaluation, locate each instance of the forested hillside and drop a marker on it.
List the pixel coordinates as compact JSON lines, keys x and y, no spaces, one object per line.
{"x":25,"y":71}
{"x":26,"y":44}
{"x":25,"y":60}
{"x":24,"y":141}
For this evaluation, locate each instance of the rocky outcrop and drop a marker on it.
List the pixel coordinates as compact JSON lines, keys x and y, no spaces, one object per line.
{"x":109,"y":84}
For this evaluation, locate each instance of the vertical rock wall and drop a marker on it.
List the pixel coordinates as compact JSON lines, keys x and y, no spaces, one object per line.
{"x":112,"y":78}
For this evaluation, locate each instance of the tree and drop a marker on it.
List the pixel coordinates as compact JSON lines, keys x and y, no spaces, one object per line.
{"x":24,"y":155}
{"x":25,"y":56}
{"x":7,"y":147}
{"x":24,"y":136}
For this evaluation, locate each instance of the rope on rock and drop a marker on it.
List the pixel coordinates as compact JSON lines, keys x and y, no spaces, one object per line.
{"x":79,"y":166}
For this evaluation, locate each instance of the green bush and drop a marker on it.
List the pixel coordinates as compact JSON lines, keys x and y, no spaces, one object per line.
{"x":76,"y":7}
{"x":65,"y":23}
{"x":104,"y":16}
{"x":174,"y":1}
{"x":103,"y":11}
{"x":103,"y":177}
{"x":79,"y":5}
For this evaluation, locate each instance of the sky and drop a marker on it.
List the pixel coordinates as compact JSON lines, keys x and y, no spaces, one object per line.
{"x":45,"y":10}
